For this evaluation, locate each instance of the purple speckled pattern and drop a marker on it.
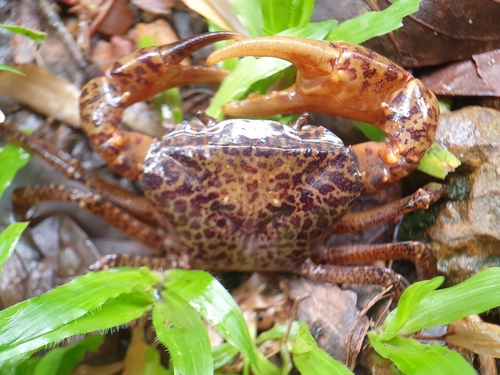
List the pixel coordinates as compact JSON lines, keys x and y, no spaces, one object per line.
{"x":250,"y":194}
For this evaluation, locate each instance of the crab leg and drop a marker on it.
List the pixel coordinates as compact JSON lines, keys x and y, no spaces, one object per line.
{"x":419,"y":200}
{"x":71,"y":168}
{"x":27,"y":197}
{"x":132,"y":79}
{"x":421,"y":255}
{"x":343,"y":79}
{"x":356,"y":275}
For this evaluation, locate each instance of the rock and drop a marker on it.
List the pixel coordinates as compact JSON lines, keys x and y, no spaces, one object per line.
{"x":466,"y":235}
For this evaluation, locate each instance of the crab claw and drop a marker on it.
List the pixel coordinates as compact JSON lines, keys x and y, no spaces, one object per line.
{"x":346,"y":80}
{"x":133,"y":78}
{"x":151,"y":70}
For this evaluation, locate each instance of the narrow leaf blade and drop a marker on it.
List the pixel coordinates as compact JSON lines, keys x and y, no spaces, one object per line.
{"x":310,"y":359}
{"x":249,"y":13}
{"x":180,"y":328}
{"x":207,"y":296}
{"x":11,"y":69}
{"x":32,"y":324}
{"x":408,"y":302}
{"x":62,"y":360}
{"x":9,"y":239}
{"x":372,"y":24}
{"x":37,"y":36}
{"x":12,"y":158}
{"x":414,"y":358}
{"x":445,"y":306}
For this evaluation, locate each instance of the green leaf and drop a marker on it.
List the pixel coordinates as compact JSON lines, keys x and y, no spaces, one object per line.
{"x":61,"y":361}
{"x":279,"y":331}
{"x":251,"y":70}
{"x":414,"y":358}
{"x":481,"y":293}
{"x":276,"y":15}
{"x":9,"y":239}
{"x":223,"y":354}
{"x":301,"y":12}
{"x":280,"y":15}
{"x":180,"y":329}
{"x":372,"y":24}
{"x":370,"y":131}
{"x":37,"y":36}
{"x":11,"y":69}
{"x":438,"y":162}
{"x":75,"y":308}
{"x":23,"y":368}
{"x":12,"y":158}
{"x":152,"y":362}
{"x":168,"y":104}
{"x":249,"y":13}
{"x":115,"y":312}
{"x":311,"y":359}
{"x":207,"y":296}
{"x":408,"y":302}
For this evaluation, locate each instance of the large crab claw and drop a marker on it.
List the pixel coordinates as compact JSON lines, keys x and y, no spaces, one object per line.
{"x":133,"y":78}
{"x":343,"y":79}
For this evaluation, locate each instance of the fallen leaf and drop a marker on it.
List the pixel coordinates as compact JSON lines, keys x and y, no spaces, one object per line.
{"x":479,"y":76}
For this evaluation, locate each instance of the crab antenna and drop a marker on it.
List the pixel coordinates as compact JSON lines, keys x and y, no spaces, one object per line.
{"x":313,"y":58}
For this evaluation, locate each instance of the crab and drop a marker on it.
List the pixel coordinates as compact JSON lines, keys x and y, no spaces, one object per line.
{"x":248,"y":195}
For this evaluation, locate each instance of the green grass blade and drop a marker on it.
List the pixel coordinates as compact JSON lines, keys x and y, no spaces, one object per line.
{"x":481,"y":292}
{"x":207,"y":296}
{"x":113,"y":313}
{"x":11,"y":69}
{"x":9,"y":239}
{"x":310,"y":359}
{"x":279,"y":331}
{"x":315,"y":30}
{"x":301,"y":13}
{"x":37,"y":36}
{"x":152,"y":362}
{"x":276,"y":15}
{"x":223,"y":354}
{"x":180,"y":329}
{"x":408,"y":302}
{"x":414,"y":358}
{"x":372,"y":24}
{"x":61,"y":361}
{"x":249,"y":13}
{"x":12,"y":158}
{"x":58,"y":314}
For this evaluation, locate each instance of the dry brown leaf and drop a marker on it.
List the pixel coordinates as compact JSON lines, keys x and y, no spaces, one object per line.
{"x":118,"y":19}
{"x":219,"y":12}
{"x":160,"y":31}
{"x":44,"y":92}
{"x":331,"y":313}
{"x":478,"y":337}
{"x":156,"y":7}
{"x":479,"y":76}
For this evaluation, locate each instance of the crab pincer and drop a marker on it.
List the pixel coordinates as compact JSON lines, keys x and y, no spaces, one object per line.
{"x":350,"y":81}
{"x":131,"y":79}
